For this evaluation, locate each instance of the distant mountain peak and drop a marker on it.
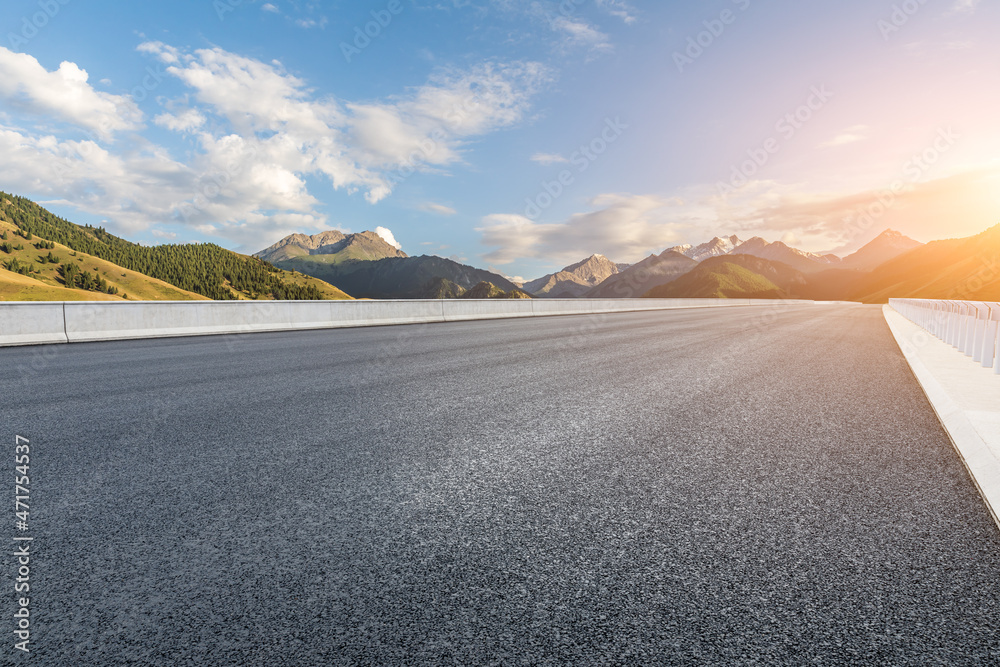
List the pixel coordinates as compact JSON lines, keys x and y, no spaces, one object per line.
{"x":365,"y":245}
{"x":574,"y":279}
{"x":719,"y":245}
{"x":785,"y":254}
{"x":884,"y":247}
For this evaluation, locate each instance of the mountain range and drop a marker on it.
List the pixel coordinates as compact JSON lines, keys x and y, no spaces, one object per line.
{"x":779,"y":252}
{"x":364,"y":265}
{"x":966,"y":268}
{"x":639,"y":278}
{"x":720,"y":245}
{"x":575,"y":280}
{"x":45,"y":257}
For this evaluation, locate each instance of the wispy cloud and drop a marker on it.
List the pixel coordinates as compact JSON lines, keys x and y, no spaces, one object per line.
{"x":849,"y":135}
{"x":439,"y":209}
{"x":577,"y":32}
{"x":628,"y":227}
{"x":841,"y":219}
{"x":187,"y":120}
{"x":305,"y":22}
{"x":565,"y":18}
{"x":926,"y":48}
{"x":547,"y":159}
{"x":620,"y":9}
{"x":312,"y":23}
{"x":965,"y":6}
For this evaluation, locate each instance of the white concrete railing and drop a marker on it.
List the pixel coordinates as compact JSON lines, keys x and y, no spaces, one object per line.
{"x":972,"y":327}
{"x":78,"y":321}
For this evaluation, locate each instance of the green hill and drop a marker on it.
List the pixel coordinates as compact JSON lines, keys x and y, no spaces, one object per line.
{"x":177,"y":271}
{"x":734,"y":277}
{"x":395,"y":277}
{"x":442,"y":288}
{"x":487,"y":290}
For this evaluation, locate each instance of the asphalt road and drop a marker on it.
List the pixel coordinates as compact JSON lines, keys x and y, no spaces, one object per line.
{"x":744,"y":486}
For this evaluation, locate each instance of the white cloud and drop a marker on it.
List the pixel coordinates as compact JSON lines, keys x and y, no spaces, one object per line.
{"x":268,"y":7}
{"x":933,"y":49}
{"x":547,"y":159}
{"x":258,"y":131}
{"x":624,"y":226}
{"x":63,"y":94}
{"x":839,"y":219}
{"x":357,"y":146}
{"x":629,"y":227}
{"x":620,"y":9}
{"x":440,"y":209}
{"x":847,"y":136}
{"x":965,"y":6}
{"x":388,"y":237}
{"x":164,"y":52}
{"x":311,"y":23}
{"x":580,"y":33}
{"x":88,"y":176}
{"x":185,"y":121}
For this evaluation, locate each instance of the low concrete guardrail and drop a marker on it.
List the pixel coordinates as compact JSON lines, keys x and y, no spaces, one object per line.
{"x":79,"y":321}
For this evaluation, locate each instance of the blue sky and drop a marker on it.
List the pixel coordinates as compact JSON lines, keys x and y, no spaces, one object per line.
{"x":518,"y":135}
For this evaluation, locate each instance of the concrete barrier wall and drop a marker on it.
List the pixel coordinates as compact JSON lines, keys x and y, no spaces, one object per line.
{"x":455,"y":310}
{"x":88,"y":321}
{"x":79,"y":321}
{"x":29,"y":323}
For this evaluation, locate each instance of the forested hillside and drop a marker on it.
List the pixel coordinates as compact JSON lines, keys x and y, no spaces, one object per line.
{"x":205,"y":269}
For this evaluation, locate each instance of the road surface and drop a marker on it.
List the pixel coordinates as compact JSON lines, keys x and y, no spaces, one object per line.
{"x":732,"y":486}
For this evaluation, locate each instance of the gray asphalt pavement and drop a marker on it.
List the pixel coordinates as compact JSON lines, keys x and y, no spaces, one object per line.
{"x":733,"y":486}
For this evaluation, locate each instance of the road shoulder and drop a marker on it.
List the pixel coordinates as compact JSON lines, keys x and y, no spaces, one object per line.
{"x":966,"y":398}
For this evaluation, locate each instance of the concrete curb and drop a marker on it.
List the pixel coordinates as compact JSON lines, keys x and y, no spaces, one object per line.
{"x":82,"y":321}
{"x":966,"y":427}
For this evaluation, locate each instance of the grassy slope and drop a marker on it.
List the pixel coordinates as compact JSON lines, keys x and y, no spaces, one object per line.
{"x":734,"y":277}
{"x":15,"y":287}
{"x":46,"y":286}
{"x":329,"y":291}
{"x":723,"y":280}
